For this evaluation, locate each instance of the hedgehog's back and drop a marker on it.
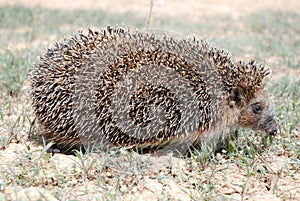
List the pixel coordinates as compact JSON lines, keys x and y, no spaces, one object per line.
{"x":122,"y":88}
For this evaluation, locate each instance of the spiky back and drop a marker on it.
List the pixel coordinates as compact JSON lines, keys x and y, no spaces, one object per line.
{"x":236,"y":74}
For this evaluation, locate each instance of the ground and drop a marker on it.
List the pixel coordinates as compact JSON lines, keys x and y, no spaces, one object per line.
{"x":253,"y":167}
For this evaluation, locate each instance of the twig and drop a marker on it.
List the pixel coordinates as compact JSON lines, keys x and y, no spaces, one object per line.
{"x":150,"y":13}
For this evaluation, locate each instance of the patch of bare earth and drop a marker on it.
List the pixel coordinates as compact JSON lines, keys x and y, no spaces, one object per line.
{"x":165,"y":175}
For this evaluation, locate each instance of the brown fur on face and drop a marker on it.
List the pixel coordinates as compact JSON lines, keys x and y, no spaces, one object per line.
{"x":258,"y":113}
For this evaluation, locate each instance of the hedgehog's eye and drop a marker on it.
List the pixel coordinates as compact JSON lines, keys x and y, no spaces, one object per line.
{"x":257,"y":108}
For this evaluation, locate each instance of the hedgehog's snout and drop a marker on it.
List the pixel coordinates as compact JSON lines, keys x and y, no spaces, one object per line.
{"x":271,"y":125}
{"x":273,"y":128}
{"x":267,"y":114}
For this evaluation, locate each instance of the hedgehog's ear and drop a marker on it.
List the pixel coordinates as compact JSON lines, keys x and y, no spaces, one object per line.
{"x":236,"y":97}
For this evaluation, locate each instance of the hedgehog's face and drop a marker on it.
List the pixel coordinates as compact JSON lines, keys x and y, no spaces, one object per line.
{"x":259,"y":113}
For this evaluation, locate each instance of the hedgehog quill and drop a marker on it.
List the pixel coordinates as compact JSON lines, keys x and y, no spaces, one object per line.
{"x":116,"y":87}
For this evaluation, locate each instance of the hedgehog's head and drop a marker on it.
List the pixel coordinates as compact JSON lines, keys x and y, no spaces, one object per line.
{"x":258,"y":113}
{"x":255,"y":104}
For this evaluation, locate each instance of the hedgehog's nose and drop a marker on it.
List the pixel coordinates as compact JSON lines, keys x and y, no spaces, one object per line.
{"x":273,"y":132}
{"x":271,"y":126}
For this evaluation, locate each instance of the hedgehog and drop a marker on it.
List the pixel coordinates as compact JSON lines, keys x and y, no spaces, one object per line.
{"x":119,"y":88}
